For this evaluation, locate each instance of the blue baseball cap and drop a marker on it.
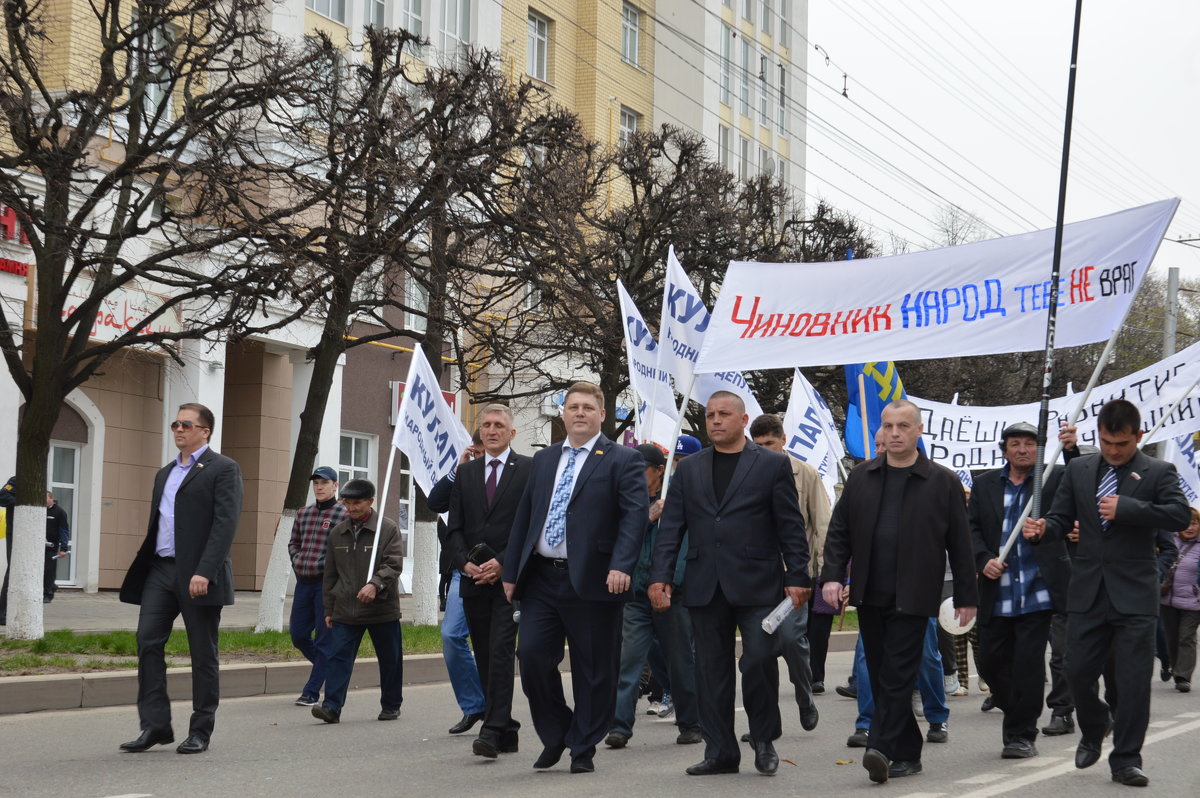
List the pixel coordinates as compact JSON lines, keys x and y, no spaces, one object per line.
{"x":324,"y":472}
{"x":687,"y":445}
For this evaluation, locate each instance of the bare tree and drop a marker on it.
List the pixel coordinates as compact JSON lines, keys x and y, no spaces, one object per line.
{"x":143,"y":176}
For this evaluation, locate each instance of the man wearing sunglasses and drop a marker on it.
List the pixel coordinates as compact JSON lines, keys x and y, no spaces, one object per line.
{"x":183,"y":567}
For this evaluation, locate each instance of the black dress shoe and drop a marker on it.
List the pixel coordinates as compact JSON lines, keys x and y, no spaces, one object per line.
{"x":1059,"y":724}
{"x":326,"y":714}
{"x":549,"y":757}
{"x":877,"y":765}
{"x":809,"y":718}
{"x":148,"y":739}
{"x":194,"y":744}
{"x":746,"y":738}
{"x":1087,"y":754}
{"x":859,"y":739}
{"x":689,"y":737}
{"x":616,"y":740}
{"x":389,"y":714}
{"x":712,"y":767}
{"x":482,"y":746}
{"x":1131,"y":777}
{"x":818,"y":688}
{"x":1018,"y":749}
{"x":510,"y":743}
{"x":467,"y":723}
{"x":766,"y":761}
{"x":904,"y":768}
{"x":989,"y":703}
{"x":583,"y":764}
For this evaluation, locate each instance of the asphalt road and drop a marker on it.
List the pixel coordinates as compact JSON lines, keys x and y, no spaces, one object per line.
{"x":265,"y":746}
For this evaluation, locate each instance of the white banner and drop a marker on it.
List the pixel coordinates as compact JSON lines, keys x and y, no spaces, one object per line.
{"x":685,"y":319}
{"x":809,"y":433}
{"x":427,"y":431}
{"x":1181,"y":451}
{"x":646,"y":379}
{"x":974,"y":299}
{"x":960,"y":436}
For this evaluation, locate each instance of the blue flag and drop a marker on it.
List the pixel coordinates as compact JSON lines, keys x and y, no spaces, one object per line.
{"x":881,"y":383}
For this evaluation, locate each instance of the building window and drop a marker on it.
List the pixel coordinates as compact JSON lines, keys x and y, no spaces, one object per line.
{"x":724,"y":146}
{"x":62,"y":479}
{"x":744,"y":100}
{"x":539,"y":40}
{"x":783,"y":171}
{"x":456,"y":26}
{"x":354,"y":458}
{"x":153,"y":64}
{"x":785,"y":27}
{"x":416,"y":296}
{"x":629,"y":124}
{"x":334,"y":9}
{"x":531,"y":299}
{"x":766,"y":162}
{"x":744,"y":159}
{"x":765,"y":94}
{"x":782,"y":121}
{"x":726,"y":62}
{"x":768,"y":12}
{"x":411,"y":17}
{"x":748,"y":10}
{"x":630,"y":25}
{"x":377,"y":13}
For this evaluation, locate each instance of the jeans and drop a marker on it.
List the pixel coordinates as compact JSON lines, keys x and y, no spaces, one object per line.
{"x":308,"y":616}
{"x":929,"y":682}
{"x":345,"y":639}
{"x":673,"y":628}
{"x":460,"y":664}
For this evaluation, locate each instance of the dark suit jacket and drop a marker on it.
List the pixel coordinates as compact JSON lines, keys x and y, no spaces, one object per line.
{"x":986,"y":514}
{"x":207,"y":507}
{"x":743,"y":542}
{"x":933,"y":522}
{"x":472,"y":521}
{"x":1121,"y":560}
{"x":606,"y":517}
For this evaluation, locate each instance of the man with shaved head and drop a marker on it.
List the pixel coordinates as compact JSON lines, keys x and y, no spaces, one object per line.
{"x":897,"y":518}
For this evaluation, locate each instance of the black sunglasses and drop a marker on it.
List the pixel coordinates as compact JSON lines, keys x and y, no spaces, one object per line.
{"x":185,"y":425}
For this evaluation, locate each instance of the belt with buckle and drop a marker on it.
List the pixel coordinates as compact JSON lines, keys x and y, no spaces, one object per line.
{"x":557,"y":562}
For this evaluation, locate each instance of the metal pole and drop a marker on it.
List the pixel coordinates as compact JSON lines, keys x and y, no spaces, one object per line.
{"x":1039,"y":465}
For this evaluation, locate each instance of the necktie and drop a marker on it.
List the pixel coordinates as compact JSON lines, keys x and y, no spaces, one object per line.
{"x":490,"y":487}
{"x":1108,"y":486}
{"x":556,"y":519}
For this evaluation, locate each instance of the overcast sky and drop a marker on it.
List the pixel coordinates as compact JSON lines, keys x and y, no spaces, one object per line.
{"x":983,"y":86}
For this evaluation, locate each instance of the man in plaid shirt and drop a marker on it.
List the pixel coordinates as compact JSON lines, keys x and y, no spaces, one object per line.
{"x":310,"y":535}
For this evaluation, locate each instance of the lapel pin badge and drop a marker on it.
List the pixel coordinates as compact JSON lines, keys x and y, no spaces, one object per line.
{"x":1136,"y":475}
{"x":599,"y":451}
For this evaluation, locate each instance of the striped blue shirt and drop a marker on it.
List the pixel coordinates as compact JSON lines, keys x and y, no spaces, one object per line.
{"x":1022,"y":589}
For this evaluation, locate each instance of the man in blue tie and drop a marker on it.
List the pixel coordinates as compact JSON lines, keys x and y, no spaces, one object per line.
{"x":574,"y":544}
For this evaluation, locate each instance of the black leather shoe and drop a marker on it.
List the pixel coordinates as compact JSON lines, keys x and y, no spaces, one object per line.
{"x":766,"y":761}
{"x":482,"y":746}
{"x":746,"y":738}
{"x":1131,"y":777}
{"x":616,"y":740}
{"x":877,"y":766}
{"x":583,"y":764}
{"x":858,"y":739}
{"x":818,"y":688}
{"x":1018,"y":749}
{"x":1087,"y":754}
{"x":846,"y":691}
{"x":809,"y":718}
{"x":899,"y":769}
{"x":712,"y":767}
{"x":549,"y":757}
{"x":1059,"y":724}
{"x":326,"y":714}
{"x":389,"y":714}
{"x":689,"y":737}
{"x":194,"y":744}
{"x":989,"y":703}
{"x":510,"y":743}
{"x":467,"y":723}
{"x":148,"y":739}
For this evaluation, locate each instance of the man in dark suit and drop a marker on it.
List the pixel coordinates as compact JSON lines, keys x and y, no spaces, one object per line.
{"x":574,"y":544}
{"x":1121,"y":497}
{"x":738,"y":505}
{"x":1019,"y":595}
{"x":898,"y":518}
{"x":183,"y":567}
{"x":482,"y":505}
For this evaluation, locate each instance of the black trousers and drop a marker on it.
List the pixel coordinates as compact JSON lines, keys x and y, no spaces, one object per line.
{"x":50,"y":574}
{"x":819,"y":628}
{"x":1013,"y":658}
{"x":713,"y":627}
{"x":1104,"y":637}
{"x":161,"y":605}
{"x":552,"y":614}
{"x":893,"y":643}
{"x":1059,"y":698}
{"x":494,"y":638}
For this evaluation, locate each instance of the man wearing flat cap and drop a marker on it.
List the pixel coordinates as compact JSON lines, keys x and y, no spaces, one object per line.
{"x":360,"y":598}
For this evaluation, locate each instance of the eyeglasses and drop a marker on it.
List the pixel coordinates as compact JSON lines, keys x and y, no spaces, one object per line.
{"x":186,"y":425}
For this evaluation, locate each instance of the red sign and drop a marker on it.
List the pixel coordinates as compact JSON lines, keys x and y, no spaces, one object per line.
{"x":14,"y":267}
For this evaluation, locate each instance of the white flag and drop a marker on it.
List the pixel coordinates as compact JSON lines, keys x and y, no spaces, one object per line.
{"x":1181,"y":451}
{"x":809,"y":433}
{"x":684,"y":323}
{"x":427,"y":431}
{"x":645,"y":378}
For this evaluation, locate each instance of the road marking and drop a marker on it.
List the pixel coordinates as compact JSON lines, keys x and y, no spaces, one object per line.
{"x":923,"y":795}
{"x":1067,"y":767}
{"x":132,"y":795}
{"x":1160,"y":724}
{"x":981,"y":778}
{"x":1040,"y":762}
{"x":1188,"y":715}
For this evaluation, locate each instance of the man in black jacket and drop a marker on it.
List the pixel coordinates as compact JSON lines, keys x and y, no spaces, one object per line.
{"x":482,"y":505}
{"x":58,"y":544}
{"x":898,"y":517}
{"x":1019,"y":595}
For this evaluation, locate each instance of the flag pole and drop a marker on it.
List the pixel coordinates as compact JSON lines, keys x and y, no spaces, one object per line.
{"x":862,"y":410}
{"x":675,"y":438}
{"x":1039,"y":466}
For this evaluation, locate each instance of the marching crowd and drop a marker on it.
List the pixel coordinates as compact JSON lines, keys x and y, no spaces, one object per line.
{"x":593,"y":548}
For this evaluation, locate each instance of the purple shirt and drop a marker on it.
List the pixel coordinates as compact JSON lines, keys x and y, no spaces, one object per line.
{"x":164,"y":544}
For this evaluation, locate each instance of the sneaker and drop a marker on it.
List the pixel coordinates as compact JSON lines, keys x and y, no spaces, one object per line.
{"x":1183,"y":685}
{"x":305,"y":701}
{"x":858,"y":739}
{"x":918,"y":704}
{"x":950,"y":684}
{"x":666,"y":708}
{"x":938,"y":733}
{"x":960,"y":689}
{"x":653,"y":708}
{"x":983,"y":688}
{"x":1164,"y":673}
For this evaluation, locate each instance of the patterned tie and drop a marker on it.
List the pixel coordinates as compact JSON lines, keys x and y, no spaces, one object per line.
{"x":490,"y":487}
{"x":556,"y":520}
{"x":1108,"y":486}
